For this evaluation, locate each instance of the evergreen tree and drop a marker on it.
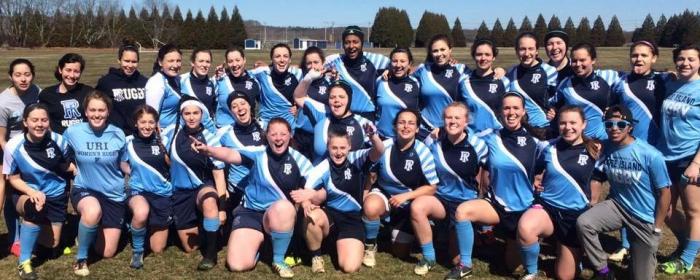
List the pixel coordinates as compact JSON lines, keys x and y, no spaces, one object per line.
{"x":224,"y":28}
{"x":237,"y":29}
{"x":614,"y":37}
{"x":688,"y":31}
{"x":497,"y":33}
{"x":186,"y":38}
{"x":211,"y":32}
{"x":540,"y":29}
{"x":598,"y":32}
{"x":667,"y":35}
{"x":382,"y":29}
{"x":510,"y":34}
{"x":646,"y":32}
{"x":404,"y":33}
{"x":483,"y":32}
{"x":525,"y":25}
{"x":554,"y":23}
{"x":570,"y":29}
{"x":660,"y":24}
{"x":201,"y":39}
{"x":431,"y":24}
{"x":583,"y":32}
{"x":458,"y":35}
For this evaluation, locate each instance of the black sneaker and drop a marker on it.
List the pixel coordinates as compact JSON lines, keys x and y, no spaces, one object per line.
{"x":206,"y":264}
{"x":26,"y":272}
{"x":459,"y":272}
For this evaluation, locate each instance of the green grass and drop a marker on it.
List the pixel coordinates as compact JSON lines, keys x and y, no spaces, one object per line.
{"x":174,"y":264}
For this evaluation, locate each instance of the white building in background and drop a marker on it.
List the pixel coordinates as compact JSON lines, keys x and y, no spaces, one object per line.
{"x":252,"y":44}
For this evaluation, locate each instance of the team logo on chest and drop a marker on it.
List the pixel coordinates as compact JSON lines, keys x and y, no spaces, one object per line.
{"x":288,"y":81}
{"x":347,"y":174}
{"x":595,"y":85}
{"x":350,"y":130}
{"x":408,"y":165}
{"x":651,"y":85}
{"x":248,"y":85}
{"x":582,"y":160}
{"x":70,"y":109}
{"x":449,"y":72}
{"x":256,"y":136}
{"x":287,"y":168}
{"x":363,"y":67}
{"x":209,"y":91}
{"x":464,"y":156}
{"x":493,"y":88}
{"x":408,"y":87}
{"x":536,"y":78}
{"x":50,"y":153}
{"x":322,"y":90}
{"x":155,"y":150}
{"x":522,"y":141}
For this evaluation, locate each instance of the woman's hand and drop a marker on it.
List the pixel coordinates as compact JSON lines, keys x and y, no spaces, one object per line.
{"x":302,"y":195}
{"x":308,"y":208}
{"x":692,"y":173}
{"x":198,"y":146}
{"x":551,"y":113}
{"x":397,"y":200}
{"x":219,"y":71}
{"x":222,"y":216}
{"x":38,"y":198}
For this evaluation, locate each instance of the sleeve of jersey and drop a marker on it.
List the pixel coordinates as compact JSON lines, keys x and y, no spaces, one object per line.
{"x":506,"y":82}
{"x":251,"y":152}
{"x":316,"y":178}
{"x":657,"y":170}
{"x":427,"y":164}
{"x":303,"y":163}
{"x":482,"y":151}
{"x":359,"y":157}
{"x":541,"y":162}
{"x":317,"y":109}
{"x":556,"y":100}
{"x":610,"y":76}
{"x":379,"y":61}
{"x":167,"y":135}
{"x":330,"y":60}
{"x":126,"y":157}
{"x":155,"y":92}
{"x":213,"y":140}
{"x":552,"y":75}
{"x":225,"y":137}
{"x":599,"y":171}
{"x":8,"y":162}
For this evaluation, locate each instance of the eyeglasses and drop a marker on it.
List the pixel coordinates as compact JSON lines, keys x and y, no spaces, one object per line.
{"x":622,"y":124}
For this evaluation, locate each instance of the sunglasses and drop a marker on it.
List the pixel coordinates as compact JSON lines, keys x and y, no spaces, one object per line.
{"x":622,"y":124}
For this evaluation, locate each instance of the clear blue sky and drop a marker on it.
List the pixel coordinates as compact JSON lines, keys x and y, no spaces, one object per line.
{"x":308,"y":13}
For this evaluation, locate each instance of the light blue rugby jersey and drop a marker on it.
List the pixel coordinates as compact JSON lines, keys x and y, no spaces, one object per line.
{"x":182,"y":176}
{"x":17,"y":159}
{"x":593,"y":106}
{"x":263,"y":190}
{"x":452,"y":186}
{"x":273,"y":103}
{"x":635,"y":172}
{"x":362,"y":98}
{"x":481,"y":115}
{"x":414,"y":162}
{"x":224,"y":86}
{"x":346,"y":195}
{"x":393,"y":96}
{"x":643,"y":96}
{"x":145,"y":177}
{"x":567,"y":173}
{"x":237,"y":136}
{"x":323,"y":120}
{"x":164,"y":98}
{"x":434,"y":96}
{"x":680,"y":120}
{"x":98,"y":158}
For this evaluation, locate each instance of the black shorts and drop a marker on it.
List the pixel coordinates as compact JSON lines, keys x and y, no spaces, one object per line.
{"x":112,"y":211}
{"x":247,"y":218}
{"x":53,"y":212}
{"x":508,"y":221}
{"x":677,"y":167}
{"x":160,"y":214}
{"x":450,"y":210}
{"x":345,"y":225}
{"x":184,"y":203}
{"x":564,"y":221}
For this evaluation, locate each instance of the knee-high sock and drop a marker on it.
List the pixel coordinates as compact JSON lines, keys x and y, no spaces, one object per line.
{"x":86,"y":236}
{"x":371,"y":229}
{"x":138,"y":239}
{"x":465,"y":241}
{"x":211,"y":226}
{"x":280,"y":243}
{"x":529,"y":254}
{"x":689,"y":253}
{"x":428,"y":251}
{"x":27,"y":240}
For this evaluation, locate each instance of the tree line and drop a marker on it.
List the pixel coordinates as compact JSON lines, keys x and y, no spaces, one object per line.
{"x":392,"y":28}
{"x":95,"y":23}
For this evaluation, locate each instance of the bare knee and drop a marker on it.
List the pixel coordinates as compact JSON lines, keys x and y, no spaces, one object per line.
{"x":239,"y":266}
{"x":373,"y":208}
{"x":350,"y":268}
{"x":464,"y":213}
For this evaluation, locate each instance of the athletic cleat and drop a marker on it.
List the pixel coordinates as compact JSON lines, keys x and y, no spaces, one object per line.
{"x":292,"y":261}
{"x":368,"y":259}
{"x":619,"y":255}
{"x":283,"y":270}
{"x":14,"y":249}
{"x":206,"y":264}
{"x":423,"y":267}
{"x":317,"y":265}
{"x":459,"y":272}
{"x":137,"y":260}
{"x":80,"y":268}
{"x":534,"y":276}
{"x":676,"y":266}
{"x":26,"y":272}
{"x":67,"y":251}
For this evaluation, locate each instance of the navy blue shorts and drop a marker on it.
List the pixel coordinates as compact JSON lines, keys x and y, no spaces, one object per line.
{"x":400,"y":219}
{"x":508,"y":221}
{"x":53,"y":212}
{"x":676,"y":168}
{"x":112,"y":211}
{"x":450,"y":210}
{"x":160,"y":214}
{"x":564,"y":221}
{"x":184,"y":203}
{"x":345,"y":225}
{"x":247,"y":218}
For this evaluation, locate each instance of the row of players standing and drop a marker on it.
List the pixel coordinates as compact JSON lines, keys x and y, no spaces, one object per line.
{"x":444,"y":78}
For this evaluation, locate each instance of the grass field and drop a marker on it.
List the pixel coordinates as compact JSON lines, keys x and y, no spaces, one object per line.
{"x":173,"y":264}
